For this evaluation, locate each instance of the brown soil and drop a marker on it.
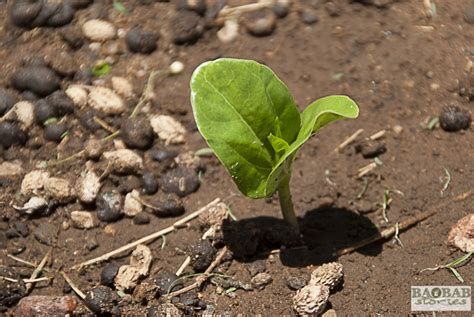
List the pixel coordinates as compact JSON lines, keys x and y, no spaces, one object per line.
{"x":400,"y":66}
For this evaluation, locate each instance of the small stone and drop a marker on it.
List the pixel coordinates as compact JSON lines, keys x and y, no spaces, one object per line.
{"x":137,"y":133}
{"x":308,"y":17}
{"x":461,"y":234}
{"x":38,"y":305}
{"x":141,"y":218}
{"x":167,"y":282}
{"x":23,"y":14}
{"x":453,"y":118}
{"x":166,"y":309}
{"x":255,"y":267}
{"x":83,"y":219}
{"x":33,"y":181}
{"x":176,"y":68}
{"x":149,"y":183}
{"x":109,"y":207}
{"x":229,"y":32}
{"x":332,"y":8}
{"x":198,"y":6}
{"x":10,"y":170}
{"x":469,"y":14}
{"x":91,"y":243}
{"x":39,"y":79}
{"x":329,"y":274}
{"x":311,"y":300}
{"x":72,"y":36}
{"x":132,"y":206}
{"x":202,"y":254}
{"x":10,"y":292}
{"x":187,"y":27}
{"x":34,"y":206}
{"x":99,"y":30}
{"x":397,"y":129}
{"x":141,"y":41}
{"x":295,"y":282}
{"x":7,"y":100}
{"x":21,"y":228}
{"x":124,"y":161}
{"x":45,"y":232}
{"x":105,"y":100}
{"x":261,"y":280}
{"x":93,"y":148}
{"x":24,"y":112}
{"x":61,"y":103}
{"x":167,"y":207}
{"x":78,"y":95}
{"x":59,"y":189}
{"x":128,"y":184}
{"x":260,"y":23}
{"x":55,"y":132}
{"x":141,"y":259}
{"x":181,"y":181}
{"x":189,"y":160}
{"x":108,"y":273}
{"x":11,"y":134}
{"x":102,"y":300}
{"x":44,"y":111}
{"x":370,"y":149}
{"x":189,"y":299}
{"x":88,"y":187}
{"x":162,"y":155}
{"x":144,"y":292}
{"x":281,"y":8}
{"x":122,"y":86}
{"x":127,"y":278}
{"x":168,"y":129}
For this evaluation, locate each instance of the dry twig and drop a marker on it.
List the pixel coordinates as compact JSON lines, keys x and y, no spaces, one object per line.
{"x":73,"y":286}
{"x":349,"y":140}
{"x":37,"y":271}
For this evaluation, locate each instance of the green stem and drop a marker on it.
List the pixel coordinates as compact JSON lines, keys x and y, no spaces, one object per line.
{"x":286,"y":204}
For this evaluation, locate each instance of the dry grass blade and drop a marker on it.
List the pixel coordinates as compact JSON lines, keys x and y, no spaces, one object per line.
{"x":73,"y":286}
{"x":37,"y":271}
{"x":349,"y":140}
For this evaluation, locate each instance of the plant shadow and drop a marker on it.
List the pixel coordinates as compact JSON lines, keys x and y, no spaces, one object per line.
{"x":324,"y":231}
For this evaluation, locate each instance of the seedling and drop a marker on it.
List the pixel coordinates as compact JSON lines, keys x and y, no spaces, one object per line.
{"x":453,"y":265}
{"x":250,"y":120}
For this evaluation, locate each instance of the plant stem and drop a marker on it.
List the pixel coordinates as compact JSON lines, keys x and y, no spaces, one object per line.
{"x":286,"y":204}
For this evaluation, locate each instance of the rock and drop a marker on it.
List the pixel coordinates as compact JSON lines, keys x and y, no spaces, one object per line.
{"x":176,"y":68}
{"x":189,"y":299}
{"x":311,"y":300}
{"x":24,"y":112}
{"x":141,"y":41}
{"x":61,"y":103}
{"x":7,"y":100}
{"x":189,"y":160}
{"x":45,"y":232}
{"x":23,"y":14}
{"x":99,"y":30}
{"x":256,"y":267}
{"x":260,"y":23}
{"x":109,"y":207}
{"x":198,"y":6}
{"x":141,"y":259}
{"x":54,"y":15}
{"x":122,"y":86}
{"x":453,"y":118}
{"x":34,"y":206}
{"x":167,"y":282}
{"x":370,"y":150}
{"x":397,"y":129}
{"x":167,"y":207}
{"x":105,"y":100}
{"x":461,"y":234}
{"x":10,"y":170}
{"x":33,"y":182}
{"x":202,"y":254}
{"x":102,"y":300}
{"x":11,"y":134}
{"x":78,"y":95}
{"x":137,"y":133}
{"x":93,"y":148}
{"x":10,"y":292}
{"x":88,"y":187}
{"x":83,"y":220}
{"x":144,"y":292}
{"x":127,"y":278}
{"x":141,"y":218}
{"x":108,"y":273}
{"x":187,"y":27}
{"x":469,"y":14}
{"x":38,"y":79}
{"x":281,"y":8}
{"x":166,"y":309}
{"x":329,"y":274}
{"x":261,"y":280}
{"x":130,"y":183}
{"x":73,"y":37}
{"x":168,"y":129}
{"x":149,"y":183}
{"x":295,"y":282}
{"x":333,"y":8}
{"x":181,"y":181}
{"x":132,"y":206}
{"x":63,"y":63}
{"x":124,"y":161}
{"x":91,"y":243}
{"x":43,"y":111}
{"x":80,"y":4}
{"x":213,"y":216}
{"x":46,"y":306}
{"x":229,"y":32}
{"x":55,"y":132}
{"x":308,"y":17}
{"x":59,"y":189}
{"x":162,"y":155}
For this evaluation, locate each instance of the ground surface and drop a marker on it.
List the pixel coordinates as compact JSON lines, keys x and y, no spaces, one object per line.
{"x":399,"y":65}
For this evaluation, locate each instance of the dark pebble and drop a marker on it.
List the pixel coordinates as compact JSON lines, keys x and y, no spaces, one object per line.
{"x":187,"y":27}
{"x":128,"y":183}
{"x":11,"y":134}
{"x":141,"y":218}
{"x":202,"y":254}
{"x":80,"y":4}
{"x":61,"y":103}
{"x":469,"y":14}
{"x":73,"y":37}
{"x":167,"y":282}
{"x":189,"y":299}
{"x":167,"y":207}
{"x":38,"y":79}
{"x":181,"y":181}
{"x":7,"y":101}
{"x":3,"y":240}
{"x":91,"y":243}
{"x":333,"y":9}
{"x":137,"y":133}
{"x":149,"y":183}
{"x":55,"y":132}
{"x":11,"y":234}
{"x":370,"y":149}
{"x":108,"y":274}
{"x":29,"y":96}
{"x":45,"y":233}
{"x":453,"y":118}
{"x":280,"y":10}
{"x":109,"y":205}
{"x":102,"y":300}
{"x":198,"y":6}
{"x":295,"y":282}
{"x":23,"y":13}
{"x":10,"y":293}
{"x":260,"y":23}
{"x":162,"y":155}
{"x":308,"y":17}
{"x":86,"y":118}
{"x":255,"y":267}
{"x":63,"y":14}
{"x":141,"y":41}
{"x":43,"y":111}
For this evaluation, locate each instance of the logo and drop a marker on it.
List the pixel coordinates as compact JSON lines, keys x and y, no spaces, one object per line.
{"x":441,"y":298}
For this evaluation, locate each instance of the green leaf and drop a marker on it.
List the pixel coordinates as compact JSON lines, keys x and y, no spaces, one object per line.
{"x":101,"y":69}
{"x":120,"y":7}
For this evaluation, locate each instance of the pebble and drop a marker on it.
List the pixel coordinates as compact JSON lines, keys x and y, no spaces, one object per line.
{"x":127,"y":278}
{"x":187,"y":27}
{"x":168,"y":129}
{"x":59,"y":189}
{"x":9,"y":170}
{"x":128,"y":184}
{"x":453,"y":118}
{"x":87,"y":187}
{"x":21,"y":228}
{"x":162,"y":155}
{"x":176,"y":67}
{"x":311,"y":300}
{"x":124,"y":161}
{"x":105,"y":100}
{"x":140,"y":41}
{"x":73,"y":37}
{"x":166,"y":309}
{"x":332,"y":8}
{"x":141,"y":218}
{"x":7,"y":100}
{"x":44,"y":233}
{"x":469,"y":14}
{"x":33,"y":182}
{"x":255,"y":267}
{"x":281,"y":8}
{"x":371,"y":149}
{"x":229,"y":32}
{"x":78,"y":95}
{"x":61,"y":103}
{"x":99,"y":30}
{"x":91,"y":243}
{"x":83,"y":219}
{"x":131,"y":206}
{"x":122,"y":86}
{"x":40,"y":305}
{"x":108,"y":273}
{"x":189,"y":299}
{"x":260,"y":23}
{"x":10,"y":293}
{"x":25,"y":113}
{"x":109,"y":207}
{"x":168,"y":207}
{"x":55,"y":132}
{"x":397,"y":129}
{"x":36,"y":206}
{"x":102,"y":300}
{"x":137,"y":133}
{"x":22,"y":13}
{"x":80,"y":4}
{"x":11,"y":134}
{"x":261,"y":280}
{"x":93,"y":148}
{"x":295,"y":282}
{"x":43,"y":111}
{"x":181,"y":181}
{"x":141,"y":259}
{"x":149,"y":183}
{"x":461,"y":234}
{"x":167,"y":282}
{"x":202,"y":254}
{"x":198,"y":6}
{"x":38,"y":79}
{"x":308,"y":17}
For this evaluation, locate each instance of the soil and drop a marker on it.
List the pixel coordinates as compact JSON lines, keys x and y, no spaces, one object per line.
{"x":401,"y":66}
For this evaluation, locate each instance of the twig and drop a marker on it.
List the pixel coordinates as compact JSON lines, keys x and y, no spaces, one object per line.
{"x":231,"y":12}
{"x":366,"y":169}
{"x":37,"y":271}
{"x":26,"y":280}
{"x":364,"y":189}
{"x":183,"y":266}
{"x":377,"y":135}
{"x":21,"y":260}
{"x":104,"y":125}
{"x":147,"y":238}
{"x":147,"y":92}
{"x":349,"y":140}
{"x":73,"y":286}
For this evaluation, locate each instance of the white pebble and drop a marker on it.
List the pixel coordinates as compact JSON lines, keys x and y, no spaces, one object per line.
{"x":59,"y":189}
{"x":122,"y":86}
{"x":176,"y":67}
{"x":88,"y":187}
{"x":124,"y":161}
{"x":25,"y":113}
{"x":105,"y":100}
{"x":10,"y":170}
{"x":35,"y":203}
{"x":131,"y":206}
{"x":83,"y":220}
{"x":33,"y":181}
{"x":78,"y":95}
{"x":99,"y":30}
{"x":168,"y":129}
{"x":127,"y":278}
{"x":141,"y":259}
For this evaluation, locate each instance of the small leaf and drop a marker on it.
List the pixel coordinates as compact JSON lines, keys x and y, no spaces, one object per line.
{"x":101,"y":69}
{"x":120,"y":7}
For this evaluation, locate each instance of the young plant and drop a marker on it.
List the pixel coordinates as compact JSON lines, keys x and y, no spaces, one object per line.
{"x":251,"y":122}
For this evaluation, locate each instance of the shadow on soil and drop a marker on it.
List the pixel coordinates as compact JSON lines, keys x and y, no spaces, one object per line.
{"x":324,"y":231}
